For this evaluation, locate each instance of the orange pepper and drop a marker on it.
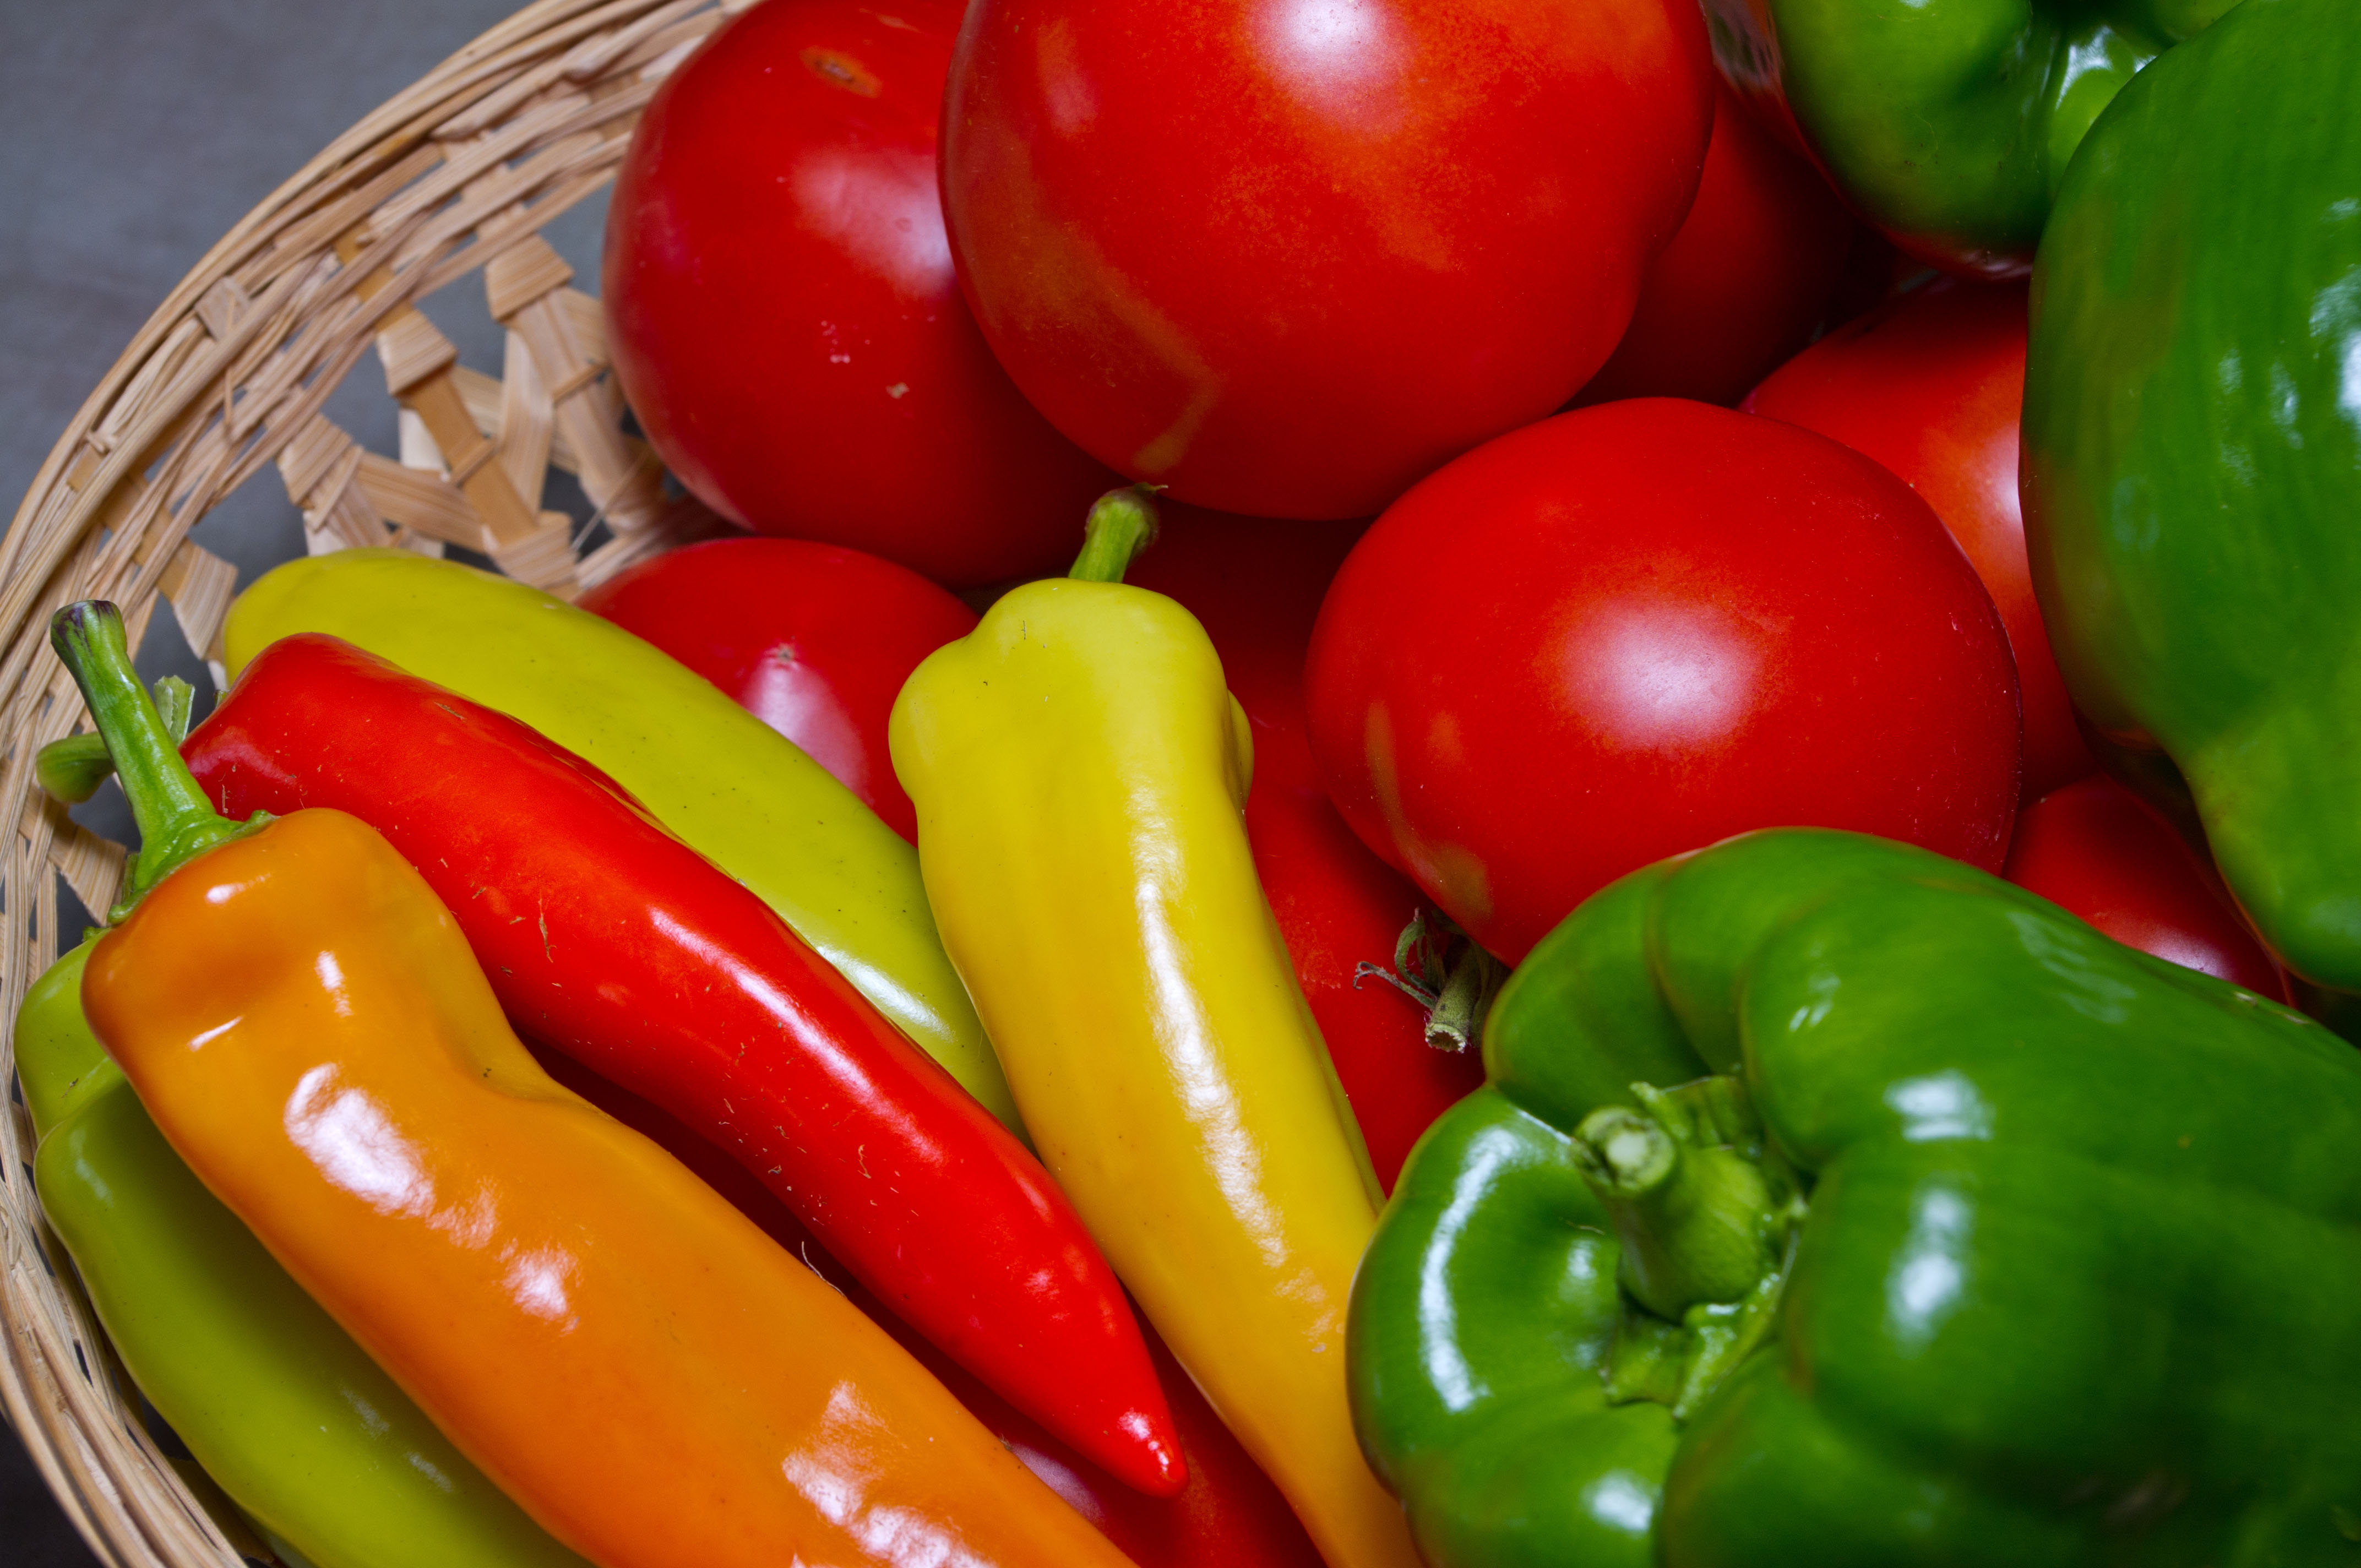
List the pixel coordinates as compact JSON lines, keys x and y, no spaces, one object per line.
{"x":654,"y":1379}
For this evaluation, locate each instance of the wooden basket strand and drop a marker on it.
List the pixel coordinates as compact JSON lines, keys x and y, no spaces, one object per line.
{"x":454,"y":177}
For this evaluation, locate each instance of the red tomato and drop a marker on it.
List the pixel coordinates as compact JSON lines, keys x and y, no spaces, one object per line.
{"x":783,"y":313}
{"x":2098,"y":850}
{"x":813,"y":639}
{"x":1257,"y":587}
{"x":1931,"y":386}
{"x":1634,"y":629}
{"x":1744,"y":282}
{"x":1289,"y":255}
{"x":1228,"y":1515}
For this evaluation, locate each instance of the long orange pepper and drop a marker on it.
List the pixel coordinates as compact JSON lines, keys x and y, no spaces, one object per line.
{"x":633,"y":1361}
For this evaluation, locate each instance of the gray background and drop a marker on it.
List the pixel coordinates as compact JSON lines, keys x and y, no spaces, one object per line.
{"x":134,"y":134}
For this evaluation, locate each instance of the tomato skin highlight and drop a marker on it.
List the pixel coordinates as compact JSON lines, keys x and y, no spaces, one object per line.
{"x":1931,"y":385}
{"x":1257,"y":587}
{"x":1288,"y":257}
{"x":1637,"y":628}
{"x":785,"y":317}
{"x":814,"y":639}
{"x":1751,"y":271}
{"x":2096,"y":850}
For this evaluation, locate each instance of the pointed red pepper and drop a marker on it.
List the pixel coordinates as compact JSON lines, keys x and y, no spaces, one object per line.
{"x":610,"y":940}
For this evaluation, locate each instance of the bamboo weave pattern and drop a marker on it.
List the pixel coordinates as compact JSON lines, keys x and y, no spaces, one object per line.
{"x":453,"y":177}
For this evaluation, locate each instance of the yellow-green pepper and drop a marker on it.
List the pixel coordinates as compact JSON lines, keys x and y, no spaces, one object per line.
{"x":1079,"y":770}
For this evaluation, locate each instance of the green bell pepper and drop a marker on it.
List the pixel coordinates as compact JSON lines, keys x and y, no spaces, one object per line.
{"x":1946,"y":123}
{"x":315,"y":1445}
{"x":2192,"y":457}
{"x":1834,"y":1205}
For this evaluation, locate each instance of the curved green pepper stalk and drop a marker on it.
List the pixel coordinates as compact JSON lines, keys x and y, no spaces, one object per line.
{"x":176,"y":822}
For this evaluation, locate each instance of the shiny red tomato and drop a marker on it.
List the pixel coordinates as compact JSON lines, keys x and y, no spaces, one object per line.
{"x":1636,"y":628}
{"x":1744,"y":281}
{"x":1931,"y":385}
{"x":1257,"y":587}
{"x":1228,"y":1515}
{"x":1289,"y":255}
{"x":2096,"y":850}
{"x":783,"y":313}
{"x":813,"y":639}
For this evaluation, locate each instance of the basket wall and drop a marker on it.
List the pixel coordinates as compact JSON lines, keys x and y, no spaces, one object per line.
{"x":449,"y":182}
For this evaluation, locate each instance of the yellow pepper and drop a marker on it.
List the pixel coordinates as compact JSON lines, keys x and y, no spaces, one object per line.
{"x":1079,"y":771}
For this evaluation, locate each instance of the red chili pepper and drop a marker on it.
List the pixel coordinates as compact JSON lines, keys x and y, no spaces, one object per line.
{"x":1257,"y":587}
{"x":1229,"y":1515}
{"x":814,"y":639}
{"x":611,"y":941}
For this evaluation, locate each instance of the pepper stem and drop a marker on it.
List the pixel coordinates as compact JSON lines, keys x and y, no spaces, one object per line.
{"x":1443,"y":970}
{"x":71,"y":770}
{"x":176,"y":821}
{"x":1122,"y":524}
{"x":1697,"y":1221}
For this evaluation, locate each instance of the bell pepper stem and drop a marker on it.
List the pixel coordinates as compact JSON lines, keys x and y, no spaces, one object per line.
{"x":1122,"y":524}
{"x":1697,"y":1220}
{"x":1625,"y":1155}
{"x":1648,"y":1359}
{"x":176,"y":821}
{"x":1723,"y":1334}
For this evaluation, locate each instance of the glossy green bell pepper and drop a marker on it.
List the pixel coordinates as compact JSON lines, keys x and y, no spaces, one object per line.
{"x":735,"y":789}
{"x":2192,"y":457}
{"x":1946,"y":123}
{"x":1962,"y":1236}
{"x":312,"y":1441}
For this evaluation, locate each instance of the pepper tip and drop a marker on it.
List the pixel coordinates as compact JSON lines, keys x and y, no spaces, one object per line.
{"x":1153,"y":1462}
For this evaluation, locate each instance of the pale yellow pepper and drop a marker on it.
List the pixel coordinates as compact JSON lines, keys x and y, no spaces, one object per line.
{"x":1079,"y":771}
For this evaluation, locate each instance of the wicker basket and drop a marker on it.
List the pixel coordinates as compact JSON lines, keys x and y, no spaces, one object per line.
{"x":453,"y":178}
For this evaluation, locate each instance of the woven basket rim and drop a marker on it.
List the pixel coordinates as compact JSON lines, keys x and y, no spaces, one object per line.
{"x":133,"y":1507}
{"x":395,"y":127}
